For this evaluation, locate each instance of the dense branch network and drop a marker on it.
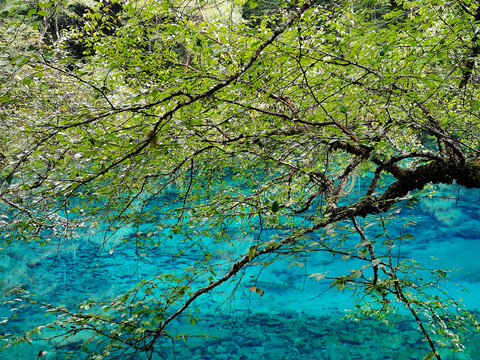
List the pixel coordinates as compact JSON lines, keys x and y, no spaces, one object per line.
{"x":299,"y":134}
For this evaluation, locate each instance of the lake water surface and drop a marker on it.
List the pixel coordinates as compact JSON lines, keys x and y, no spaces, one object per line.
{"x":296,"y":318}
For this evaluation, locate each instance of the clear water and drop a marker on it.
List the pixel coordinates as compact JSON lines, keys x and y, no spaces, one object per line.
{"x":296,"y":318}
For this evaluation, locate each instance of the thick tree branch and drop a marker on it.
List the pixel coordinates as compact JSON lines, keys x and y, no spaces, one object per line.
{"x":436,"y":172}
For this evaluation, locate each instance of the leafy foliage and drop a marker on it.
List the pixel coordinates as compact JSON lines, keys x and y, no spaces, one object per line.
{"x":191,"y":122}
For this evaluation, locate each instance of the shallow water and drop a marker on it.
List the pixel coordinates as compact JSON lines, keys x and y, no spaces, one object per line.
{"x":296,"y":318}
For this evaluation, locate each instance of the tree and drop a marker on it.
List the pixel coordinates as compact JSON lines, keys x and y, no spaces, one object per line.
{"x":193,"y":123}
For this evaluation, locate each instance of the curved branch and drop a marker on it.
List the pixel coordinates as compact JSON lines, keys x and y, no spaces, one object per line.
{"x":436,"y":172}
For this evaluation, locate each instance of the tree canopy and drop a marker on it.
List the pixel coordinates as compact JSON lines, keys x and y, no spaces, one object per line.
{"x":195,"y":117}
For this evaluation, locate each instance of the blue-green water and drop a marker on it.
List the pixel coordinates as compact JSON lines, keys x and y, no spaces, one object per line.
{"x":296,"y":318}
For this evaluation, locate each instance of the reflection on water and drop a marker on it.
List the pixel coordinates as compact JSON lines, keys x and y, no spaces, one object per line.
{"x":296,"y":318}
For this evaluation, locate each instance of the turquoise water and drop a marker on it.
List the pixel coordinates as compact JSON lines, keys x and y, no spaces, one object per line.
{"x":296,"y":318}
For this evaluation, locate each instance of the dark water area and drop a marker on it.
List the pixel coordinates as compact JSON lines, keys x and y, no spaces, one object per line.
{"x":296,"y":318}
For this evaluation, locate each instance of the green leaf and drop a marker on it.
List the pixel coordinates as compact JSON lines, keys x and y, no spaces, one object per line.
{"x":20,"y":60}
{"x":429,"y":356}
{"x":5,"y":98}
{"x":275,"y":206}
{"x":363,"y":243}
{"x":251,"y":252}
{"x":318,"y":276}
{"x":376,"y":261}
{"x":475,"y":105}
{"x":9,"y":179}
